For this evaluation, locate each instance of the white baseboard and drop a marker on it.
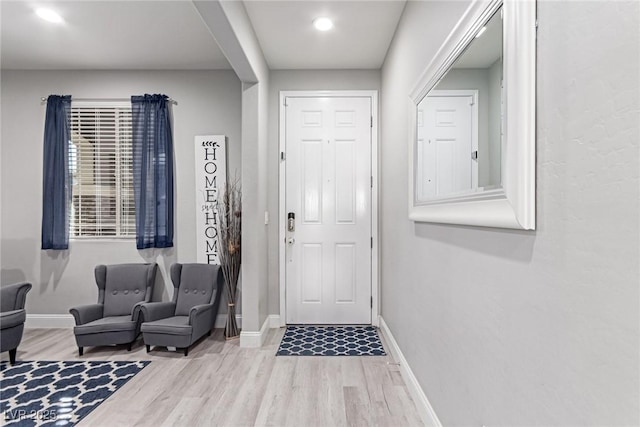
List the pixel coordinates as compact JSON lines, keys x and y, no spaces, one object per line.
{"x":274,"y":321}
{"x":423,"y":405}
{"x":50,"y":321}
{"x":221,"y":320}
{"x":247,"y":339}
{"x":256,"y":339}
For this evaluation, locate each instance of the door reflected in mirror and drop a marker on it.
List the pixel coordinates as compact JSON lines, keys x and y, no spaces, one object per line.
{"x":459,"y":122}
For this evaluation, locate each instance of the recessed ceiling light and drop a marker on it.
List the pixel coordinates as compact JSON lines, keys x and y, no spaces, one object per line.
{"x":49,"y":15}
{"x":323,"y":24}
{"x":481,"y":32}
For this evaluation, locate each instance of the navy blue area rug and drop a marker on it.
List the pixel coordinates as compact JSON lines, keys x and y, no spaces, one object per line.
{"x":59,"y":393}
{"x":331,"y":341}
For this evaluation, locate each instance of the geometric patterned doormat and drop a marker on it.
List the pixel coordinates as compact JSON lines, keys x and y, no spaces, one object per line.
{"x":331,"y":341}
{"x":59,"y":393}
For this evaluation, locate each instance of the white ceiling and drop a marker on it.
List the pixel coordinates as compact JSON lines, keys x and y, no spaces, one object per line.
{"x":169,"y":34}
{"x":107,"y":35}
{"x":360,"y":38}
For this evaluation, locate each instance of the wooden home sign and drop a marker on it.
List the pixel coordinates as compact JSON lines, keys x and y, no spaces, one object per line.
{"x":211,"y":176}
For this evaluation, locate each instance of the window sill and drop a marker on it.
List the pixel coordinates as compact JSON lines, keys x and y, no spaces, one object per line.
{"x":102,"y":239}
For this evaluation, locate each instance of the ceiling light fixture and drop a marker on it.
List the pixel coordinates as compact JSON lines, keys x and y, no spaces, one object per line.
{"x":323,"y":24}
{"x":49,"y":15}
{"x":482,"y":30}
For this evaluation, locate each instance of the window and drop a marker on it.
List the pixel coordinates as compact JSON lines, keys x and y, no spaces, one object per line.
{"x":101,"y":162}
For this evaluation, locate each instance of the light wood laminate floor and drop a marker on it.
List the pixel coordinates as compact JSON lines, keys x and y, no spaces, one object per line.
{"x":221,"y":384}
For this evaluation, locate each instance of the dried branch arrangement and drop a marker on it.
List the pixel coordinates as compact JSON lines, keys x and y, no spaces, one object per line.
{"x":229,"y":212}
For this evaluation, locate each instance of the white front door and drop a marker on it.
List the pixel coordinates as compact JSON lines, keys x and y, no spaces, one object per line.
{"x":328,"y":191}
{"x":447,"y":139}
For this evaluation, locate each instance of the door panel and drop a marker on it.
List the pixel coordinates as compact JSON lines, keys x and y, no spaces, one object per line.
{"x":328,"y":173}
{"x":345,"y":181}
{"x":311,"y":277}
{"x":345,"y":281}
{"x":312,"y":180}
{"x":445,"y":166}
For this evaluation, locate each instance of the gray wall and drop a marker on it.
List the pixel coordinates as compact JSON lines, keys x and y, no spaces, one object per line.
{"x":298,"y":80}
{"x":527,"y":328}
{"x":208,"y":103}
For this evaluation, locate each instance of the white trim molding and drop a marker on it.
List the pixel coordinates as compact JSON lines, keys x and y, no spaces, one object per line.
{"x":513,"y":204}
{"x":375,"y":167}
{"x":53,"y":321}
{"x":423,"y":406}
{"x":221,"y":320}
{"x":274,"y":321}
{"x":256,"y":339}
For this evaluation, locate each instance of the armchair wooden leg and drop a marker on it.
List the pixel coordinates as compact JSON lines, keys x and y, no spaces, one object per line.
{"x":186,"y":351}
{"x":148,"y":348}
{"x":12,"y":356}
{"x":80,"y":351}
{"x":209,"y":333}
{"x":129,"y":346}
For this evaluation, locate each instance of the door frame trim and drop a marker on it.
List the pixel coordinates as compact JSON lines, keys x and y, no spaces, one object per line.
{"x":375,"y":276}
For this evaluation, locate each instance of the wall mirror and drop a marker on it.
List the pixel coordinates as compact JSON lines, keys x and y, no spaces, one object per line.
{"x":472,"y":139}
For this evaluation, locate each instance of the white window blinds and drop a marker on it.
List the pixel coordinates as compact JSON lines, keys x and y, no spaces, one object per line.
{"x":100,"y":160}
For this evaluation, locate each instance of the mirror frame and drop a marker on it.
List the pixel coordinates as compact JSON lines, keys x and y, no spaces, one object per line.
{"x":513,"y":205}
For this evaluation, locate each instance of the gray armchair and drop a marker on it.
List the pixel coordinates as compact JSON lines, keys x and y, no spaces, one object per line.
{"x":191,"y":313}
{"x":115,"y":319}
{"x":12,"y":317}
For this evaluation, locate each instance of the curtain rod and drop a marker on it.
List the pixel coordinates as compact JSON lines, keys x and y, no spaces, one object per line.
{"x":44,"y":99}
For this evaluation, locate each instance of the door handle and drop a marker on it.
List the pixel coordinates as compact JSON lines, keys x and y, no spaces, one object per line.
{"x":291,"y":222}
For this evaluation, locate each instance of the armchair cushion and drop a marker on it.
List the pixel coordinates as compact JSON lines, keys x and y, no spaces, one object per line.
{"x":176,"y":325}
{"x":9,"y":319}
{"x":115,"y":319}
{"x":125,"y":285}
{"x":13,"y":296}
{"x":136,"y":313}
{"x":191,"y":315}
{"x":197,"y":284}
{"x":106,"y":324}
{"x":87,"y":313}
{"x":12,"y":316}
{"x":152,"y":311}
{"x":198,"y":310}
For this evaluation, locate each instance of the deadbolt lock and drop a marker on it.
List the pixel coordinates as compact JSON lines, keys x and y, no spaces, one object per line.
{"x":291,"y":222}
